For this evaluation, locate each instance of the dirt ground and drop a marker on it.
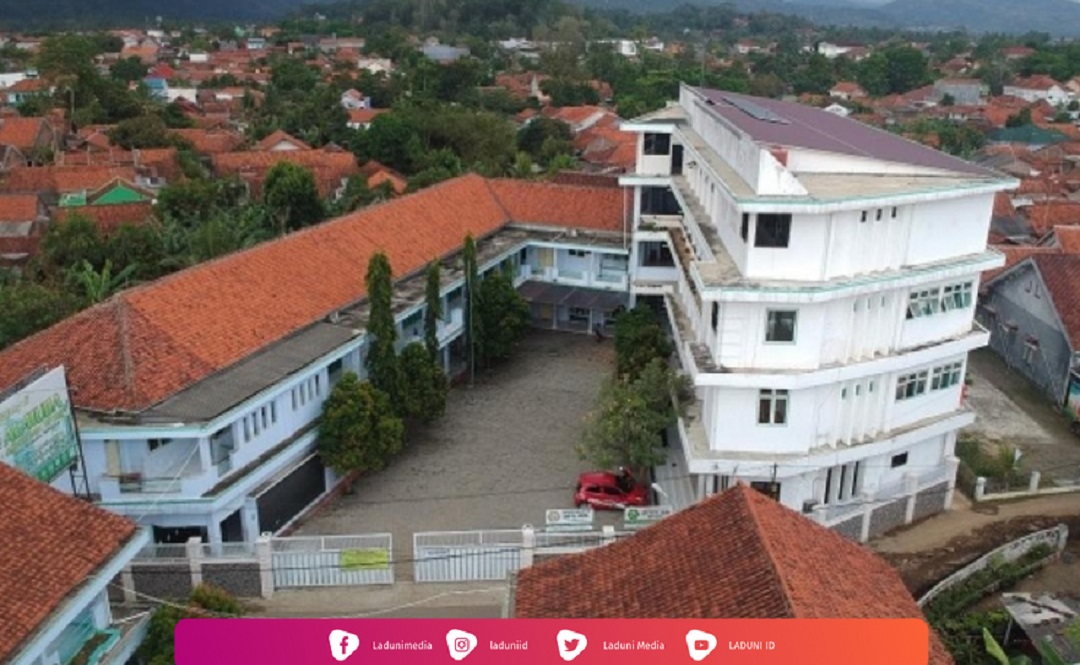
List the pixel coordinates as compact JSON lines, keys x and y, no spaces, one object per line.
{"x":931,"y":550}
{"x":503,"y":453}
{"x":1012,"y":411}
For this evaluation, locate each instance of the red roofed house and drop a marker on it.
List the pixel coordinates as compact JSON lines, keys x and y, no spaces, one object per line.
{"x":377,"y":174}
{"x":735,"y":555}
{"x":33,"y":138}
{"x":1039,"y":87}
{"x":331,"y":169}
{"x":210,"y":142}
{"x":361,"y":118}
{"x":1017,"y":52}
{"x":23,"y":220}
{"x":1032,"y":311}
{"x":847,"y":91}
{"x":281,"y":141}
{"x":58,"y":556}
{"x":277,"y":325}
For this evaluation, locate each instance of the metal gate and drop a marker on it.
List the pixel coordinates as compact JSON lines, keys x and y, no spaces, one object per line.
{"x":465,"y":556}
{"x":332,"y":560}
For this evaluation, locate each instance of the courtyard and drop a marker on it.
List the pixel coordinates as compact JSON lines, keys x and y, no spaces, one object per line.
{"x":503,"y":453}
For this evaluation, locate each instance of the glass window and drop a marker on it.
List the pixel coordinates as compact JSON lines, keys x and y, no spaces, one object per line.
{"x":657,"y":144}
{"x":956,"y":296}
{"x":924,"y":303}
{"x":780,"y":325}
{"x":911,"y":385}
{"x":898,"y":460}
{"x":772,"y":407}
{"x":773,"y":230}
{"x":744,"y":230}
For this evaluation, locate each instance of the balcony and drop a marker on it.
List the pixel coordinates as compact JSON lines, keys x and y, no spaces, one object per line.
{"x":448,"y":328}
{"x":604,"y":279}
{"x":174,"y":469}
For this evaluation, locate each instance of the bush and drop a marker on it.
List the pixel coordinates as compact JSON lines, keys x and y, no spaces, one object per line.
{"x":998,"y":575}
{"x":999,"y":464}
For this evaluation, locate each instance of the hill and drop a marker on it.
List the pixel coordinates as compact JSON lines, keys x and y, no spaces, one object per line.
{"x":83,"y":14}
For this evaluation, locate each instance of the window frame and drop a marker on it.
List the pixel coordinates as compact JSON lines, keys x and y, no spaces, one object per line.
{"x":770,"y":329}
{"x":651,"y":142}
{"x":911,"y":385}
{"x":923,"y":303}
{"x":903,"y":460}
{"x":773,"y":230}
{"x":777,"y":404}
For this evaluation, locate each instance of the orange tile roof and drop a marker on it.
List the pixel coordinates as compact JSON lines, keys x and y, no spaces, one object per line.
{"x":63,"y":179}
{"x":1068,"y":238}
{"x":598,"y":209}
{"x":277,"y":137}
{"x":1045,"y":215}
{"x":50,"y":544}
{"x":328,"y":167}
{"x":365,"y":116}
{"x":150,"y":342}
{"x":18,"y":207}
{"x":738,"y":554}
{"x":1061,"y":274}
{"x":108,"y":218}
{"x":21,"y":132}
{"x":1003,"y":206}
{"x":210,"y":142}
{"x":1015,"y":254}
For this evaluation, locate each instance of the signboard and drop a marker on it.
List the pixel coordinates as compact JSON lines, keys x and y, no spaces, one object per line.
{"x":569,"y":519}
{"x":37,"y":434}
{"x":636,"y":518}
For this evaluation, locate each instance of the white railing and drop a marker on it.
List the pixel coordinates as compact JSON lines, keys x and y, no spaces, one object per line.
{"x":163,"y":551}
{"x":228,"y":550}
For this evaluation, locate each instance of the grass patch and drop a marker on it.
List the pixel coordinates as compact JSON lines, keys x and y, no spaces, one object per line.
{"x":374,"y":558}
{"x":993,"y":461}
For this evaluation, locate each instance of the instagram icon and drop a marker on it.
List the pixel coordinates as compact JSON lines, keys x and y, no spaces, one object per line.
{"x":460,"y":643}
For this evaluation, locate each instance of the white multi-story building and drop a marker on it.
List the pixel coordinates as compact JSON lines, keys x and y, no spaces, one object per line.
{"x":819,"y":277}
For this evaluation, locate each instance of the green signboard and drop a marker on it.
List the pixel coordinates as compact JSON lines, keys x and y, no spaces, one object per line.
{"x":636,"y":518}
{"x":37,"y":434}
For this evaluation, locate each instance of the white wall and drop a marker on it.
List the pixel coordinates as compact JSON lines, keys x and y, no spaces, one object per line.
{"x":951,"y":228}
{"x":802,"y":259}
{"x":804,"y":160}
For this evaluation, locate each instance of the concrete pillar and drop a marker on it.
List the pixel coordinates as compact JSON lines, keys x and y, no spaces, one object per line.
{"x":204,"y":453}
{"x":952,"y":463}
{"x":702,"y":492}
{"x":213,"y":529}
{"x":911,"y":490}
{"x":867,"y":512}
{"x":265,"y":555}
{"x":528,"y":546}
{"x":1033,"y":485}
{"x":980,"y":488}
{"x":194,"y":547}
{"x":127,"y":580}
{"x":249,"y":519}
{"x":819,"y":513}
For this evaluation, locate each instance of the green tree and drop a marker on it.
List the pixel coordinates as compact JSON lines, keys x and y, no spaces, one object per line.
{"x":502,"y":317}
{"x":472,"y":304}
{"x":128,"y":70}
{"x":392,"y":140}
{"x":425,"y":385}
{"x":148,"y":131}
{"x":532,"y":136}
{"x":384,"y":372}
{"x":158,"y":648}
{"x":27,"y":307}
{"x":1020,"y":119}
{"x":70,"y":243}
{"x":432,"y":309}
{"x":292,"y":197}
{"x":908,"y":68}
{"x":97,"y":285}
{"x":624,"y":429}
{"x":948,"y":100}
{"x":639,"y":339}
{"x":360,"y":429}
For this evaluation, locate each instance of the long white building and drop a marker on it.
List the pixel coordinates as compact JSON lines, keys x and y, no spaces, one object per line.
{"x":819,"y":277}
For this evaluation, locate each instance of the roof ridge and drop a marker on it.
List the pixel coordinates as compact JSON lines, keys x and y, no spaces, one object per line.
{"x":507,"y":217}
{"x":124,"y":332}
{"x":747,"y":494}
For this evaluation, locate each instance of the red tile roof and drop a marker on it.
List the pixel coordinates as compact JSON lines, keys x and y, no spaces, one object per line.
{"x":364,"y":116}
{"x":1015,"y":254}
{"x":21,"y":132}
{"x":50,"y":544}
{"x":1061,"y":274}
{"x":18,"y":207}
{"x":328,"y":167}
{"x":1068,"y":238}
{"x":210,"y":142}
{"x":1045,"y":215}
{"x":108,"y":218}
{"x":63,"y":179}
{"x":738,"y":554}
{"x":1037,"y":82}
{"x":1003,"y":206}
{"x":150,"y":342}
{"x":277,"y":137}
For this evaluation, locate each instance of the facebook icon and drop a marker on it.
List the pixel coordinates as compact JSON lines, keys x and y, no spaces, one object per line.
{"x":343,"y":644}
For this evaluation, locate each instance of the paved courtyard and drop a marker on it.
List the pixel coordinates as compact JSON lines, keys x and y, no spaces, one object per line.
{"x":503,"y":453}
{"x":1012,"y":411}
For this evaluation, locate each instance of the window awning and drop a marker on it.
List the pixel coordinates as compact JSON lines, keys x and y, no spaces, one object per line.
{"x":572,"y":296}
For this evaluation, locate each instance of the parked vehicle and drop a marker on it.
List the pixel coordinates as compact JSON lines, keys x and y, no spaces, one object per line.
{"x":603,"y":490}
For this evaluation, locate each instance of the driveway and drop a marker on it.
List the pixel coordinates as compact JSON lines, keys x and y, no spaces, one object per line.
{"x":1012,"y":411}
{"x":502,"y":454}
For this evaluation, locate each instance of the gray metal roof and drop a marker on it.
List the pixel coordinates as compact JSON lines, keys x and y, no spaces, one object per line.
{"x":796,"y":125}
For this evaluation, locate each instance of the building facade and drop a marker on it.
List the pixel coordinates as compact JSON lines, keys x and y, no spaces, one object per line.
{"x":819,"y":277}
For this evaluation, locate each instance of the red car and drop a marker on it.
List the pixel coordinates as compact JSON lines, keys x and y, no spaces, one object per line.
{"x":609,"y":491}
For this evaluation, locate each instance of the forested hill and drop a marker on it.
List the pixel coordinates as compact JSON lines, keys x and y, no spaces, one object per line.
{"x":105,"y":13}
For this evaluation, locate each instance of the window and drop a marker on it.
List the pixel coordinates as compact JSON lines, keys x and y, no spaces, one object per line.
{"x":880,"y":213}
{"x":657,"y":144}
{"x":715,"y":315}
{"x":255,"y":424}
{"x":659,"y":201}
{"x":656,"y":255}
{"x":772,"y":407}
{"x":273,"y":412}
{"x":576,"y":252}
{"x":898,"y":460}
{"x":318,"y":387}
{"x":864,"y":216}
{"x":911,"y":385}
{"x":858,"y":389}
{"x":956,"y":296}
{"x":247,"y":430}
{"x":894,"y":212}
{"x":579,"y":315}
{"x":744,"y":231}
{"x":946,"y":376}
{"x":1031,"y":349}
{"x":780,"y":325}
{"x":154,"y":444}
{"x":772,"y":230}
{"x":843,"y":393}
{"x":923,"y":303}
{"x":334,"y":370}
{"x":870,"y":387}
{"x":293,"y":393}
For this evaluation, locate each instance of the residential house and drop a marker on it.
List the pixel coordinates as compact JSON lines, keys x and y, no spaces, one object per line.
{"x":331,"y":169}
{"x":964,"y":92}
{"x":1032,"y":311}
{"x":375,"y":65}
{"x":210,"y":430}
{"x":332,"y":44}
{"x":1017,"y":52}
{"x":354,"y":99}
{"x":255,"y":43}
{"x":847,"y":91}
{"x":838,"y":109}
{"x":209,"y":141}
{"x":1047,"y":620}
{"x":34,"y":138}
{"x":377,"y":174}
{"x":23,"y":221}
{"x":757,"y":224}
{"x":1038,"y":87}
{"x":362,"y":118}
{"x":281,"y":141}
{"x":834,"y":50}
{"x":581,"y":118}
{"x":146,"y":52}
{"x":736,"y":555}
{"x":61,"y":556}
{"x":1032,"y":137}
{"x":627,"y":48}
{"x":443,"y":53}
{"x":25,"y":90}
{"x":523,"y":86}
{"x":1064,"y":238}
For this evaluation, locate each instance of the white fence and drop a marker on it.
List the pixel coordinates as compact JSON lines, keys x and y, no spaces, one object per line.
{"x":1033,"y":489}
{"x":467,"y":556}
{"x":1056,"y":538}
{"x":332,"y":560}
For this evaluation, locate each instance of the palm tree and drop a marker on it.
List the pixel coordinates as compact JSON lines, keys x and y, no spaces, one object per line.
{"x":98,"y":286}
